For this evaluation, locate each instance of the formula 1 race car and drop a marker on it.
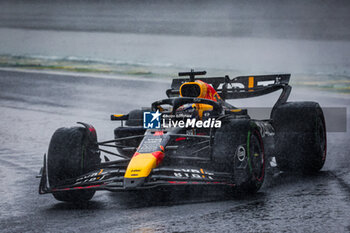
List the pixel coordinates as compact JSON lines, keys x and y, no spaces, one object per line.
{"x":192,"y":138}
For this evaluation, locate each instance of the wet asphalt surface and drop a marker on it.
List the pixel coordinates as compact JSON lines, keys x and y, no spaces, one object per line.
{"x":33,"y":105}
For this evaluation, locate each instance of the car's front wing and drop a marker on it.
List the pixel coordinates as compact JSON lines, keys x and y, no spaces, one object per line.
{"x":112,"y":178}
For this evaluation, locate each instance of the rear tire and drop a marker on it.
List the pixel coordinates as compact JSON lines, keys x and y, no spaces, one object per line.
{"x":71,"y":155}
{"x":300,"y":137}
{"x":238,"y":148}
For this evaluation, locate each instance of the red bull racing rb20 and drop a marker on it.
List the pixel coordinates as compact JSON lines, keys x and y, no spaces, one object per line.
{"x":192,"y":138}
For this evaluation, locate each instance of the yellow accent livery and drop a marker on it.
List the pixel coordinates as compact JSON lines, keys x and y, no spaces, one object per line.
{"x":236,"y":110}
{"x":141,"y":165}
{"x":251,"y":82}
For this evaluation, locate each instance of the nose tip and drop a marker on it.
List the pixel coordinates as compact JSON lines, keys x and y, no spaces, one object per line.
{"x":131,"y":183}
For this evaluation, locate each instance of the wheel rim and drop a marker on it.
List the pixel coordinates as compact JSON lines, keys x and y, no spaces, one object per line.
{"x":257,"y":158}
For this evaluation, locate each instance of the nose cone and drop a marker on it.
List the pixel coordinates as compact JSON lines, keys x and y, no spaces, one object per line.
{"x":140,"y":165}
{"x":139,"y":168}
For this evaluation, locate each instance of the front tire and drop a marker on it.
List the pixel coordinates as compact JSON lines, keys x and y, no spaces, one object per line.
{"x":239,"y":149}
{"x":70,"y":155}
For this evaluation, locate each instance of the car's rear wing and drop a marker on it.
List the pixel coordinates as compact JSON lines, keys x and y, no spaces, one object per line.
{"x":236,"y":88}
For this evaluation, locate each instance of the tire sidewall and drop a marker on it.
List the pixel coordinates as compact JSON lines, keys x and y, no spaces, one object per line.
{"x":71,"y":154}
{"x":234,"y":135}
{"x":297,"y":139}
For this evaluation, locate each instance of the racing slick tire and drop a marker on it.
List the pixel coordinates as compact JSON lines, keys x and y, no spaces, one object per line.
{"x":300,"y":137}
{"x":70,"y":155}
{"x":239,"y":149}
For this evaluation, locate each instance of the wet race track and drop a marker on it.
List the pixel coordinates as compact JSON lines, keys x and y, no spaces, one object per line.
{"x":33,"y":106}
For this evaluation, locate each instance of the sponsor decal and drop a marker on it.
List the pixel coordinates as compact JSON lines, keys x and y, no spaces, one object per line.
{"x":241,"y":153}
{"x":91,"y":177}
{"x":193,"y":173}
